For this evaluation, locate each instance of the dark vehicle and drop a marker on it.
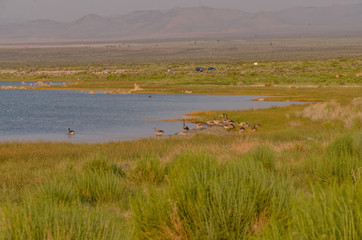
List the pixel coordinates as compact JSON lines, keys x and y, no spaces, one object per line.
{"x":199,"y":69}
{"x":211,"y":68}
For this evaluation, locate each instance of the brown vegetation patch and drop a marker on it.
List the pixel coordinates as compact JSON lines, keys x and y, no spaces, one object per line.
{"x":350,"y":114}
{"x":242,"y":146}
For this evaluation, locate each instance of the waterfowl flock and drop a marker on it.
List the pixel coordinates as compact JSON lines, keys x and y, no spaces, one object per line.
{"x":225,"y":122}
{"x":229,"y":124}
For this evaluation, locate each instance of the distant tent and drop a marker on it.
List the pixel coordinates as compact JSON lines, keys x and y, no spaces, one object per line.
{"x":199,"y":69}
{"x":211,"y":68}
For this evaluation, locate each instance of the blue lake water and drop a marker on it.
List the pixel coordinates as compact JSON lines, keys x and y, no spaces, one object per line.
{"x":33,"y":115}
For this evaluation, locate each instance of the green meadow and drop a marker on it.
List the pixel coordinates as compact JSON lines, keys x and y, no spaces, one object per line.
{"x":299,"y":176}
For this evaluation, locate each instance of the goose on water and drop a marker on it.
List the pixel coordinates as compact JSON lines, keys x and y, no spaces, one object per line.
{"x":184,"y":127}
{"x":158,"y":132}
{"x":70,"y":132}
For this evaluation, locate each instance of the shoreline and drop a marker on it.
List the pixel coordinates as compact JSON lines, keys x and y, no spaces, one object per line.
{"x":265,"y":96}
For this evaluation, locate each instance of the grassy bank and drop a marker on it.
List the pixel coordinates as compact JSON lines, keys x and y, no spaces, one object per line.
{"x":298,"y":176}
{"x":311,"y":80}
{"x":287,"y":67}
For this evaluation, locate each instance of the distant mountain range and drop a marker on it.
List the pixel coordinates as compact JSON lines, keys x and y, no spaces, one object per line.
{"x":197,"y":22}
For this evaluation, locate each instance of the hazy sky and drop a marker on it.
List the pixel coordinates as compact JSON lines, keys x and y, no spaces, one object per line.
{"x":69,"y":10}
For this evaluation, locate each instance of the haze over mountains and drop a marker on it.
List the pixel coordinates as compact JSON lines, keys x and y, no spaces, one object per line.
{"x":197,"y":22}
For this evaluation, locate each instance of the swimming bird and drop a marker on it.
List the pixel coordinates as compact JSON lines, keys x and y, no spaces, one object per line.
{"x":184,"y":127}
{"x":70,"y":132}
{"x":158,"y":132}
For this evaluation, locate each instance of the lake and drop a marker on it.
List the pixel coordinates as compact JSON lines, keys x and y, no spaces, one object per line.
{"x":33,"y":115}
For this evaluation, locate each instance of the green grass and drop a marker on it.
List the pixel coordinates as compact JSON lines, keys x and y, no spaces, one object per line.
{"x":42,"y":220}
{"x":302,"y":69}
{"x":293,"y":178}
{"x":297,"y":177}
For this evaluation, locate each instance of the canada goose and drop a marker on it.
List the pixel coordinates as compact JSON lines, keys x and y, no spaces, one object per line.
{"x":229,"y":126}
{"x":210,"y":122}
{"x":198,"y":125}
{"x":158,"y":132}
{"x":229,"y":121}
{"x":242,"y":129}
{"x":242,"y":124}
{"x":217,"y":122}
{"x":255,"y":127}
{"x":226,"y":120}
{"x":184,"y":127}
{"x":70,"y":132}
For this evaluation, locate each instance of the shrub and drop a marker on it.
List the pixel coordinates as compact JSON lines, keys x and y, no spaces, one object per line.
{"x":332,"y":213}
{"x":350,"y":114}
{"x":208,"y":201}
{"x":343,"y":157}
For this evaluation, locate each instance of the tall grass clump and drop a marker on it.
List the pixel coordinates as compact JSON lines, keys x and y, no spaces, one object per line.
{"x":332,"y":213}
{"x":206,"y":200}
{"x":97,"y":182}
{"x":148,"y":169}
{"x":265,"y":155}
{"x":82,"y":203}
{"x":42,"y":220}
{"x":328,"y":212}
{"x":100,"y":165}
{"x":342,"y":159}
{"x":55,"y":191}
{"x":97,"y":188}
